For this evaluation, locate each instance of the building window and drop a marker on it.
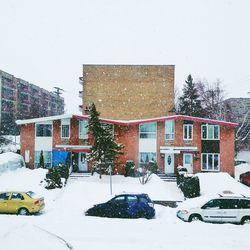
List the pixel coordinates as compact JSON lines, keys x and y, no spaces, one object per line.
{"x":148,"y":130}
{"x":210,"y":162}
{"x":169,"y":129}
{"x":83,"y":129}
{"x":147,"y":157}
{"x":65,"y":128}
{"x":210,"y":132}
{"x":43,"y":130}
{"x":47,"y":159}
{"x":188,"y":131}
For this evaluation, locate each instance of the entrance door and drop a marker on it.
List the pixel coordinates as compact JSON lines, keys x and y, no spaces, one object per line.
{"x":188,"y":162}
{"x":169,"y":163}
{"x":82,"y":163}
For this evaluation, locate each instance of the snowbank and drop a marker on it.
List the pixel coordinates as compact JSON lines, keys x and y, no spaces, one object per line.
{"x":239,"y":169}
{"x":10,"y":161}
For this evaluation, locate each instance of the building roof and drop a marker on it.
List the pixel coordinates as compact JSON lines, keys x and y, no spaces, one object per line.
{"x":129,"y":122}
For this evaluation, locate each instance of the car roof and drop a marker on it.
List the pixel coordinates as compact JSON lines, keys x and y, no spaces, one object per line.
{"x":134,"y":193}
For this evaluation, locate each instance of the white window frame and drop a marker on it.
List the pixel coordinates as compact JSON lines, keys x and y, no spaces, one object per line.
{"x":189,"y":126}
{"x":149,"y":160}
{"x":210,"y":170}
{"x":212,"y":126}
{"x":173,"y":130}
{"x":148,"y":133}
{"x":82,"y":129}
{"x":65,"y":122}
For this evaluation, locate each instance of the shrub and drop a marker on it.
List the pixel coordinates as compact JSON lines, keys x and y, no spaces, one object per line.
{"x":129,"y":168}
{"x":190,"y":186}
{"x":54,"y":177}
{"x":146,"y":170}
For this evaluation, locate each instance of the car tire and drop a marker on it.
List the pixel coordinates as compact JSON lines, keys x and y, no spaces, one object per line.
{"x":23,"y":211}
{"x":194,"y":217}
{"x":245,"y":220}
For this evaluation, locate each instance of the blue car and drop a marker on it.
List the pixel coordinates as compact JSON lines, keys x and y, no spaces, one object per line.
{"x":125,"y":206}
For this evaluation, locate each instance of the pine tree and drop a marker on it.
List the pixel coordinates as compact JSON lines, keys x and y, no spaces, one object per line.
{"x":189,"y":103}
{"x":104,"y":147}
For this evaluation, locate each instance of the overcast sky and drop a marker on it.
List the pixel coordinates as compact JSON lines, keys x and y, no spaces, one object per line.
{"x":46,"y":41}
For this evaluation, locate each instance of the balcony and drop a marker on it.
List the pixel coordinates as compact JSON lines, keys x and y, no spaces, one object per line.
{"x":80,"y":108}
{"x":80,"y":94}
{"x":81,"y":80}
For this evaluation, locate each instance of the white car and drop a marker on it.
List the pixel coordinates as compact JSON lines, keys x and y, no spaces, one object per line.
{"x":231,"y":209}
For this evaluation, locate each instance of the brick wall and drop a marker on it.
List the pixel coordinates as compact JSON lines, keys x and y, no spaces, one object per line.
{"x":27,"y":141}
{"x":129,"y":91}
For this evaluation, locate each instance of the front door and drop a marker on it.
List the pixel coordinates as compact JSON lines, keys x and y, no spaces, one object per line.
{"x":82,"y":163}
{"x":188,"y":162}
{"x":169,"y":163}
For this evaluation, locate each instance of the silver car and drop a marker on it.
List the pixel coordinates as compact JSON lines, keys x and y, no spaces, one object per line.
{"x":219,"y":210}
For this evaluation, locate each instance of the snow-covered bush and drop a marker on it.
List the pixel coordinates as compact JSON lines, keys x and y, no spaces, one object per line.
{"x":10,"y":161}
{"x":56,"y":177}
{"x":146,"y":170}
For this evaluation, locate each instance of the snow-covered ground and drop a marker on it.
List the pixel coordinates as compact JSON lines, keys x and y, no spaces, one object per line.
{"x":64,"y":226}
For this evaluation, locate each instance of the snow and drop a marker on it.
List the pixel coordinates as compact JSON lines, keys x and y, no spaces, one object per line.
{"x":10,"y":161}
{"x":63,"y":224}
{"x":239,"y":169}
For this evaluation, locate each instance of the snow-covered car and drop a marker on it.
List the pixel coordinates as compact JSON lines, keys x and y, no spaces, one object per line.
{"x":223,"y":209}
{"x":22,"y":203}
{"x":125,"y":206}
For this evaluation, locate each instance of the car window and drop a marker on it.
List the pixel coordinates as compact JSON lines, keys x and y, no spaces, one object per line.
{"x":5,"y":196}
{"x":16,"y":196}
{"x":229,"y":204}
{"x":131,"y":198}
{"x":118,"y":200}
{"x":32,"y":195}
{"x":212,"y":204}
{"x":245,"y":204}
{"x":143,"y":200}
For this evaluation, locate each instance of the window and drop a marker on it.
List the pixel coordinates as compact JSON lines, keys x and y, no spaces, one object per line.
{"x":46,"y":156}
{"x":5,"y":196}
{"x":245,"y":204}
{"x":65,"y":128}
{"x":169,"y":130}
{"x":132,"y":199}
{"x":188,"y":131}
{"x":83,"y":129}
{"x":214,"y":204}
{"x":210,"y":132}
{"x":146,"y":157}
{"x":16,"y":196}
{"x":43,"y":130}
{"x":210,"y":162}
{"x":148,"y":130}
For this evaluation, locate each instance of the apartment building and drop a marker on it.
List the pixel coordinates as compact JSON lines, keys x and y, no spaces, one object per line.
{"x":20,"y":99}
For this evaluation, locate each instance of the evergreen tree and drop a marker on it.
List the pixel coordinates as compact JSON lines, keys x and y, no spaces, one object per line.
{"x":104,"y":147}
{"x":189,"y":103}
{"x":41,"y":160}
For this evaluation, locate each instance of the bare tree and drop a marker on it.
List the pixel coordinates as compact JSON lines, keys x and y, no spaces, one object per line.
{"x":212,"y":98}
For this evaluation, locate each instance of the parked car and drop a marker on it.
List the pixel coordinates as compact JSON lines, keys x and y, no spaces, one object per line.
{"x":220,"y":210}
{"x":245,"y":178}
{"x":22,"y":203}
{"x":125,"y":206}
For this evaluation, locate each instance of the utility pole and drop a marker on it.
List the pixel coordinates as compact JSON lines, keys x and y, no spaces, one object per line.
{"x":58,"y":91}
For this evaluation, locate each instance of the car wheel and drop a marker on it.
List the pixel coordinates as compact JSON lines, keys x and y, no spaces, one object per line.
{"x":245,"y":220}
{"x":23,"y":211}
{"x":194,"y":217}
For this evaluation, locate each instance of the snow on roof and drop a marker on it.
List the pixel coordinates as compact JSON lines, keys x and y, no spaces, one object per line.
{"x":129,"y":122}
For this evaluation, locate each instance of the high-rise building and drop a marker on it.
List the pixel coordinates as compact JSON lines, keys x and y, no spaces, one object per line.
{"x":20,"y":99}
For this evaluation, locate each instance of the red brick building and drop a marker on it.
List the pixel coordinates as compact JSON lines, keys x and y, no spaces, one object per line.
{"x":201,"y":145}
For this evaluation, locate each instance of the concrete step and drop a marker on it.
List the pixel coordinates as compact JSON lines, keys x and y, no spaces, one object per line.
{"x":167,"y":177}
{"x":79,"y":175}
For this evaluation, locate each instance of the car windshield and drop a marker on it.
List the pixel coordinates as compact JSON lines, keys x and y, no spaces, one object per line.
{"x":32,"y":195}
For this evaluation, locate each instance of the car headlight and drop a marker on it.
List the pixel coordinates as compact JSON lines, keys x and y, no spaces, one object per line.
{"x":183,"y":211}
{"x":151,"y":204}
